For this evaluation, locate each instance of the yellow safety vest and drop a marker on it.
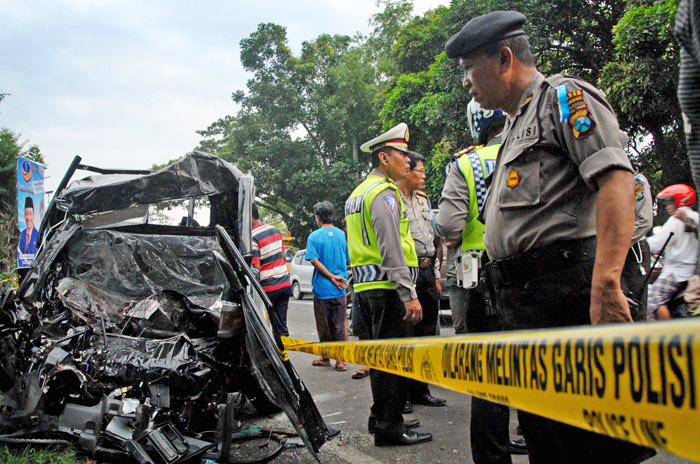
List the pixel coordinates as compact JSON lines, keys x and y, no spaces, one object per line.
{"x":362,"y":242}
{"x":475,"y":166}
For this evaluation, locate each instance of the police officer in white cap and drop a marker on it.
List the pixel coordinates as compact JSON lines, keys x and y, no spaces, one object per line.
{"x":385,"y":269}
{"x":559,"y":212}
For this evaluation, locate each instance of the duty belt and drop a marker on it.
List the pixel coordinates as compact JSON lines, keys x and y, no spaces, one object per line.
{"x":374,"y":273}
{"x":551,"y":258}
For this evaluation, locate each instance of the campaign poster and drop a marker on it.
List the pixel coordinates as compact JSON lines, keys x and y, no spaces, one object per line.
{"x":30,"y":208}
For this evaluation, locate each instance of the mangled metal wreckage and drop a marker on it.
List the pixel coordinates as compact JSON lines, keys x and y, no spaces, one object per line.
{"x":139,"y":341}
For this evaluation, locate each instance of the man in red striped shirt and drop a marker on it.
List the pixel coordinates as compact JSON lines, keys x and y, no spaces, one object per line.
{"x":268,"y":258}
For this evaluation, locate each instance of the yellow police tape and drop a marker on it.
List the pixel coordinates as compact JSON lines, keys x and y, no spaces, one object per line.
{"x":636,"y":382}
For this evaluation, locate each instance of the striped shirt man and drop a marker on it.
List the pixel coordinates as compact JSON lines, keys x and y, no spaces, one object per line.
{"x":268,"y":253}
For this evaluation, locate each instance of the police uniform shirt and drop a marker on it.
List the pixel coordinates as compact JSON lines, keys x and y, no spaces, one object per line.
{"x":643,"y":208}
{"x":543,"y":189}
{"x":385,"y":223}
{"x":420,"y":217}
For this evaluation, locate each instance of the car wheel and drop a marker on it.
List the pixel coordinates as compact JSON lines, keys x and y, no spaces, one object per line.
{"x":258,"y":392}
{"x":296,"y":291}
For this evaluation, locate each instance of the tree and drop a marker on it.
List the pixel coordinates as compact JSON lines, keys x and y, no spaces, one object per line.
{"x":641,"y":83}
{"x":624,"y":47}
{"x":302,"y":119}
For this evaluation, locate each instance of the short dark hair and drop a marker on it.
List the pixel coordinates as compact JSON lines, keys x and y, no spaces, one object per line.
{"x":375,"y":154}
{"x":325,"y":211}
{"x":520,"y":45}
{"x":256,"y":213}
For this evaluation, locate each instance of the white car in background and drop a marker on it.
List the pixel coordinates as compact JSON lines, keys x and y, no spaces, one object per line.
{"x":300,"y":272}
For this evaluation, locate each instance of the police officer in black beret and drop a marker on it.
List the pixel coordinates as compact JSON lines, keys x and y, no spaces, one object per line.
{"x":559,"y":212}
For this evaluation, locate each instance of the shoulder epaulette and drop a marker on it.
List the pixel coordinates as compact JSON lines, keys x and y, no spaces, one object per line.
{"x":423,"y":194}
{"x":465,"y":151}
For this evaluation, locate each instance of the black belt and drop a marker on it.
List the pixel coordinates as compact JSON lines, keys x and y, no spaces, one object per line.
{"x":426,"y":262}
{"x":551,"y":258}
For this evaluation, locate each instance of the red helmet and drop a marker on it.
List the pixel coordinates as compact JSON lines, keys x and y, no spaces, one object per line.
{"x":683,"y":195}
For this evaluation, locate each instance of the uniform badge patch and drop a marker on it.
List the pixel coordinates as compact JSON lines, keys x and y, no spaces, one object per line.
{"x":420,"y":201}
{"x":583,"y":126}
{"x":580,"y":118}
{"x":391,"y":201}
{"x":513,"y":179}
{"x":638,"y":190}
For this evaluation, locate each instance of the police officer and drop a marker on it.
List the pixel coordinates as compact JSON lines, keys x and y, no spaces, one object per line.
{"x":457,"y":220}
{"x":385,"y":268}
{"x":421,"y":222}
{"x":561,"y":178}
{"x":461,"y":202}
{"x":638,"y":262}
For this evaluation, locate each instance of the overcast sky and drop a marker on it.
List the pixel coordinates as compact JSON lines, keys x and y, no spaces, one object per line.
{"x":127,"y":83}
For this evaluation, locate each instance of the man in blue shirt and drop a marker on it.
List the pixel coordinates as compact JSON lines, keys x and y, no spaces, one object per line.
{"x":327,"y":250}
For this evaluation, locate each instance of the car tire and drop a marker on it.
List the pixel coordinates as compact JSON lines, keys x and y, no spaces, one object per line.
{"x":257,"y":390}
{"x":296,"y":291}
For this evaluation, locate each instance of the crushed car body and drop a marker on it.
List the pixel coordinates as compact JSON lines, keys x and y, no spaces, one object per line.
{"x":139,"y":341}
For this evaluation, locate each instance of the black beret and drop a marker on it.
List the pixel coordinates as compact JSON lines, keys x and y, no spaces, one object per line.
{"x":484,"y":30}
{"x":415,"y":156}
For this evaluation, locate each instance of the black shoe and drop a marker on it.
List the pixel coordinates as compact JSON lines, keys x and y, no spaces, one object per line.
{"x":407,"y":409}
{"x":409,"y":424}
{"x":409,"y":437}
{"x":429,"y":400}
{"x":518,"y":446}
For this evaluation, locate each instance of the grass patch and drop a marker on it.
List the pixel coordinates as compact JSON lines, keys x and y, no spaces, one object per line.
{"x":43,"y":455}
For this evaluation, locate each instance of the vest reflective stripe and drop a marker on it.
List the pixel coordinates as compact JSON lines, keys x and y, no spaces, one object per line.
{"x":365,"y":234}
{"x":362,"y":244}
{"x":475,"y":166}
{"x":479,"y":179}
{"x":374,"y":273}
{"x":368,"y":273}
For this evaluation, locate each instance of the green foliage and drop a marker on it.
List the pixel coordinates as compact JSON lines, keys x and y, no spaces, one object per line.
{"x":624,"y":47}
{"x":303,"y":118}
{"x":641,"y":82}
{"x":33,"y":455}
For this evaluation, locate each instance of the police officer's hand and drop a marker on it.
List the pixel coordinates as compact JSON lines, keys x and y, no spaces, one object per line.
{"x":414,"y":312}
{"x":609,"y":305}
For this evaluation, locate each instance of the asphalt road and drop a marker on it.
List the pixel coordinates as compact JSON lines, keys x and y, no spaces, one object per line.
{"x":344,"y":403}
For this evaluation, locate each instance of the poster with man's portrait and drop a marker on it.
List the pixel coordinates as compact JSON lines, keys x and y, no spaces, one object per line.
{"x":30,"y":208}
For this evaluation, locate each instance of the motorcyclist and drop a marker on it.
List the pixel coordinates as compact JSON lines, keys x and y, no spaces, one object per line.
{"x":680,"y":252}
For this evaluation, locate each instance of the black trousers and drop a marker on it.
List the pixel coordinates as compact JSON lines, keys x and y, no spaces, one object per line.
{"x":382,"y":312}
{"x":280,"y":305}
{"x":634,"y":278}
{"x":489,"y":429}
{"x":429,"y":299}
{"x":560,"y":299}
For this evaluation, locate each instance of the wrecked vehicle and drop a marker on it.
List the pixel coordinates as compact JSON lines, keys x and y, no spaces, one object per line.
{"x":139,"y":341}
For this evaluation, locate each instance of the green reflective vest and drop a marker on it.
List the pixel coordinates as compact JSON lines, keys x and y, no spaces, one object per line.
{"x":362,"y":242}
{"x":475,"y":166}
